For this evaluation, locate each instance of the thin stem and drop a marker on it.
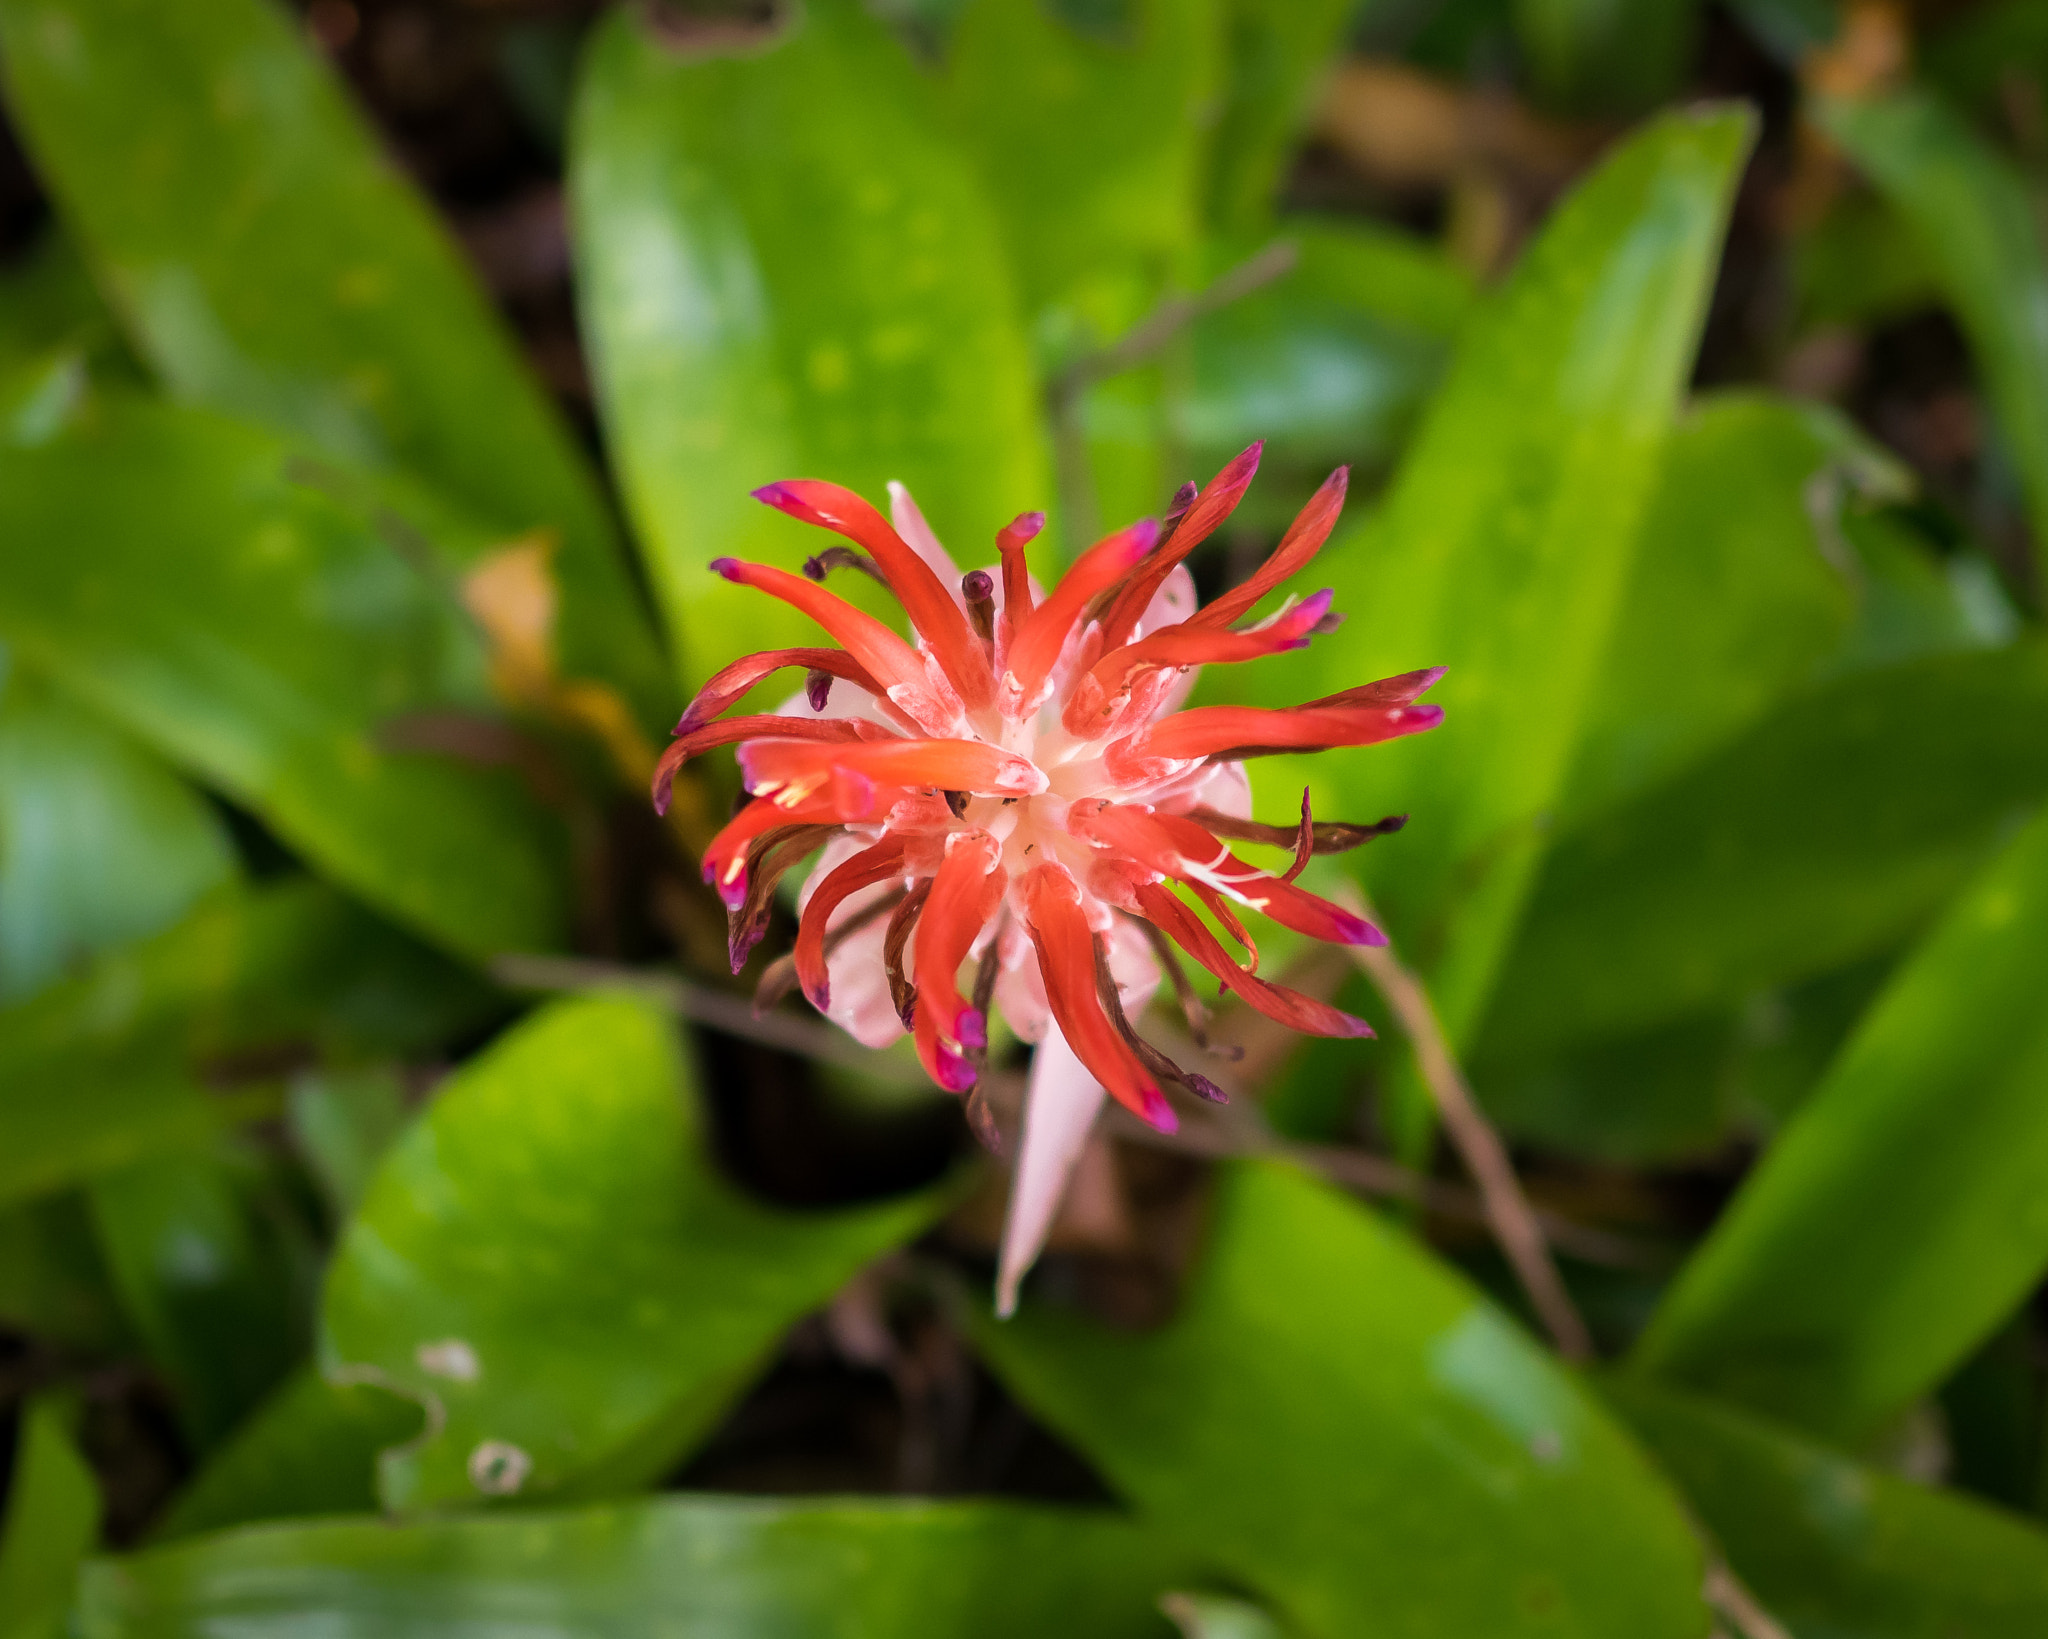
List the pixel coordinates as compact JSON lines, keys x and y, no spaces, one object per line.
{"x":1514,"y":1222}
{"x":1724,"y":1591}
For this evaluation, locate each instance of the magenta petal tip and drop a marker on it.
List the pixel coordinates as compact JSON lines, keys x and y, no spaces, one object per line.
{"x":725,"y":568}
{"x":971,"y":1028}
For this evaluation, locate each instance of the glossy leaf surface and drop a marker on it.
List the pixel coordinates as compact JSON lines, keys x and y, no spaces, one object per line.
{"x":548,"y":1258}
{"x":52,"y":1522}
{"x":1504,"y":546}
{"x":216,"y":597}
{"x":99,"y":841}
{"x":1736,"y":593}
{"x":1899,"y":1217}
{"x":1089,"y":140}
{"x":1827,"y":833}
{"x":98,"y":1071}
{"x":1837,"y":1550}
{"x":269,"y":261}
{"x":1976,"y":221}
{"x":1349,"y":1430}
{"x":683,"y":1565}
{"x":310,"y":1449}
{"x":786,"y":272}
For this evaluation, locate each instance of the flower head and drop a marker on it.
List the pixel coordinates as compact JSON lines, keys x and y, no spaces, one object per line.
{"x":1022,"y":789}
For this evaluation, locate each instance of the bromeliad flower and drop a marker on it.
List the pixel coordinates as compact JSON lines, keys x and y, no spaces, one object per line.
{"x":1022,"y":789}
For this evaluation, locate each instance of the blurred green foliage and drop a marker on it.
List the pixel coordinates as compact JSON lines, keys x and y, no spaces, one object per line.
{"x":330,"y":676}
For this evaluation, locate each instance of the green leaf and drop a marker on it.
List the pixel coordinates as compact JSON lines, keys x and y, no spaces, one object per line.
{"x":310,"y":1449}
{"x":1091,"y":142}
{"x":1900,"y":1216}
{"x":1330,"y":364}
{"x":205,"y":1275}
{"x":1836,"y":1550}
{"x":1975,"y":218}
{"x":1277,"y":56}
{"x":1741,"y":588}
{"x":216,"y":598}
{"x":98,"y":1070}
{"x":679,"y":1565}
{"x":53,"y":1282}
{"x":1504,"y":547}
{"x":342,"y":1121}
{"x":53,"y":1520}
{"x":1861,"y":264}
{"x":1606,"y":55}
{"x":1349,"y":1430}
{"x":1826,"y":834}
{"x":99,"y":842}
{"x":786,"y":270}
{"x":548,"y":1260}
{"x":270,"y":261}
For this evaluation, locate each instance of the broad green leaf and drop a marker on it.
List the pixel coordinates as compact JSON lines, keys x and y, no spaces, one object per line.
{"x":786,"y":270}
{"x":1742,"y":587}
{"x":1976,"y":221}
{"x":53,"y":1520}
{"x":99,"y":842}
{"x":1606,"y":55}
{"x":268,"y":260}
{"x":1092,"y":143}
{"x":1900,"y":1216}
{"x":1329,"y":364}
{"x":1505,"y":544}
{"x":548,"y":1260}
{"x":310,"y":1449}
{"x":677,"y":1565}
{"x":97,"y":1072}
{"x":53,"y":1282}
{"x":1826,"y":834}
{"x":1833,"y":1549}
{"x":1277,"y":54}
{"x":197,"y":583}
{"x":1353,"y":1433}
{"x":205,"y":1277}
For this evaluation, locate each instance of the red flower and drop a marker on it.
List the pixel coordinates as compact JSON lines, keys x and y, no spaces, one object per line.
{"x":1022,"y":786}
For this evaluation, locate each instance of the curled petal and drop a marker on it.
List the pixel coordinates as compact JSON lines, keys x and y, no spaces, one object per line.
{"x":725,"y":859}
{"x":1177,"y":846}
{"x":932,"y":607}
{"x":908,"y":518}
{"x":1288,"y":1007}
{"x":951,"y":765}
{"x":768,"y":860}
{"x":1388,"y":691}
{"x":1011,"y":540}
{"x":965,"y":892}
{"x":729,"y":684}
{"x":1196,"y":524}
{"x":1040,"y":638}
{"x":1303,"y":540}
{"x":836,"y":730}
{"x":891,"y":662}
{"x":1066,"y":960}
{"x":1242,"y":731}
{"x":864,"y":870}
{"x":1105,"y":685}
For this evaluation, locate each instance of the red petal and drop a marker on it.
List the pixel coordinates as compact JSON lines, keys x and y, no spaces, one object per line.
{"x":1289,"y":1007}
{"x":1188,"y":736}
{"x":965,"y":891}
{"x":1066,"y":960}
{"x":925,"y":598}
{"x":725,"y":860}
{"x":1095,"y":699}
{"x":948,"y":765}
{"x":685,"y":746}
{"x":1388,"y":691}
{"x":1010,"y":542}
{"x":1196,"y":525}
{"x":1303,"y":540}
{"x":889,"y":660}
{"x":1039,"y":640}
{"x":864,"y":870}
{"x":728,"y":685}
